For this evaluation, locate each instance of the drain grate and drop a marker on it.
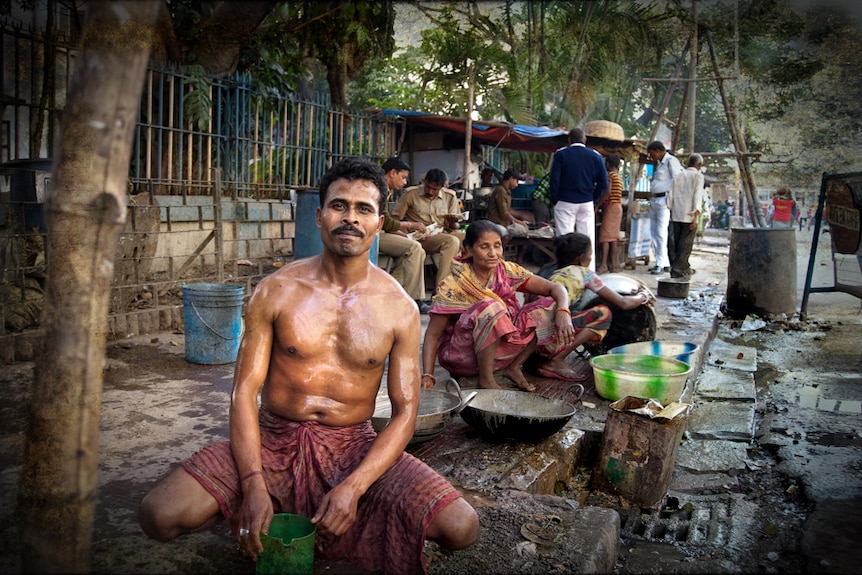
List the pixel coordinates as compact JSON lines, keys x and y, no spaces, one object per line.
{"x":698,"y":521}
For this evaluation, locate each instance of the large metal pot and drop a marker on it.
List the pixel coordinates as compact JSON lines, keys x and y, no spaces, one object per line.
{"x":627,"y":325}
{"x":500,"y":414}
{"x":437,"y":407}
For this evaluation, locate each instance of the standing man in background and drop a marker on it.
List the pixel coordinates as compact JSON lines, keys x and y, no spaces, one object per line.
{"x":578,"y":180}
{"x":408,"y":254}
{"x":685,"y":202}
{"x":667,"y":166}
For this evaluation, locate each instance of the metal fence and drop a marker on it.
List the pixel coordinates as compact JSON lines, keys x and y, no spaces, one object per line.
{"x":263,"y":145}
{"x":211,"y":196}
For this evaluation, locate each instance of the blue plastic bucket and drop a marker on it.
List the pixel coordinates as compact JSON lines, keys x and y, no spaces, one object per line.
{"x":213,"y":321}
{"x":306,"y":241}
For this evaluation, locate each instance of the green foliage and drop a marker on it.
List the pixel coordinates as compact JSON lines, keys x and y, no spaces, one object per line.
{"x":196,"y":99}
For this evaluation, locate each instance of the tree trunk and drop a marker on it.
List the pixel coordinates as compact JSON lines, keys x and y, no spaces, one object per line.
{"x":86,"y":210}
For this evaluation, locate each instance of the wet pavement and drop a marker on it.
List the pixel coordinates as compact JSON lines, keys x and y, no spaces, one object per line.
{"x":767,"y":476}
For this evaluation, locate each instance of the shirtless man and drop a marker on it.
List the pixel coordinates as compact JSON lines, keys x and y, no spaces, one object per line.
{"x":318,"y":334}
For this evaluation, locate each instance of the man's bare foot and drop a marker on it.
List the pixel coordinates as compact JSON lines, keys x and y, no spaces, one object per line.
{"x":602,"y":270}
{"x":517,"y":376}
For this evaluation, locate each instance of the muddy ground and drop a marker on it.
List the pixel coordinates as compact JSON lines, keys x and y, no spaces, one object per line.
{"x":793,"y":508}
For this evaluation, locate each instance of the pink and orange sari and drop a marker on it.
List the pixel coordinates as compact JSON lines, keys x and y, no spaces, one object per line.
{"x":482,"y":314}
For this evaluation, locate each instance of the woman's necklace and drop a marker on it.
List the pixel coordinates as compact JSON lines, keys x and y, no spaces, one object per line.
{"x":479,"y":279}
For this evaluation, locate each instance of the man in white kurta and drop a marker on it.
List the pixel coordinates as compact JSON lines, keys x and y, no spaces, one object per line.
{"x":684,"y":201}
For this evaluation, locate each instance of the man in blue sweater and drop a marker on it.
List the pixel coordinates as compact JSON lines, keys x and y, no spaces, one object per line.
{"x":578,"y":180}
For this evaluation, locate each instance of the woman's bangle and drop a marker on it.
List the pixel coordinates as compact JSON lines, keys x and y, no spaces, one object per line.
{"x":250,"y":474}
{"x":431,"y":375}
{"x":564,"y":310}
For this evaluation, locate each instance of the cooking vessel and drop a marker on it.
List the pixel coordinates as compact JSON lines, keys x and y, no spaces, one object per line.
{"x":500,"y":414}
{"x":437,"y":407}
{"x":673,"y":287}
{"x":627,"y":325}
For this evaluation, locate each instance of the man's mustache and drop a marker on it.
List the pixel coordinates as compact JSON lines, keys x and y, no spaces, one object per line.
{"x":349,"y":229}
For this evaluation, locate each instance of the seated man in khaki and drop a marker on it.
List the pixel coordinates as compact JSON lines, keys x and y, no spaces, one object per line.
{"x":408,"y":254}
{"x":433,"y":203}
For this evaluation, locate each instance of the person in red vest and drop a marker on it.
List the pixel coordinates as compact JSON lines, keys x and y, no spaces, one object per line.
{"x":784,"y":210}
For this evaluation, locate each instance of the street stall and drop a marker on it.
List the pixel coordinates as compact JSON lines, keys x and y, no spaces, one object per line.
{"x":429,"y":140}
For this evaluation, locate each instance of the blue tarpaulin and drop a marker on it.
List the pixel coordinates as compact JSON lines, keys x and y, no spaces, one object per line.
{"x":497,"y":134}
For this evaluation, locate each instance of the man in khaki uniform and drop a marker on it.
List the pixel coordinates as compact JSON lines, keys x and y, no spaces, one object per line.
{"x":408,"y":254}
{"x":433,"y":203}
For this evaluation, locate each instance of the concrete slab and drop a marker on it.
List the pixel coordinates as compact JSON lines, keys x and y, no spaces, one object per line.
{"x":711,"y":455}
{"x":690,"y":483}
{"x":722,"y":420}
{"x":473,"y":463}
{"x":718,"y":383}
{"x":726,"y":355}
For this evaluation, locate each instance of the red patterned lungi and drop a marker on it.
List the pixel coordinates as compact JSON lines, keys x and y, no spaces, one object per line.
{"x":303,"y":461}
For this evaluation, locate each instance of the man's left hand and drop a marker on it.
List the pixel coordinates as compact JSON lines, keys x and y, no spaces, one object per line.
{"x":337,"y":510}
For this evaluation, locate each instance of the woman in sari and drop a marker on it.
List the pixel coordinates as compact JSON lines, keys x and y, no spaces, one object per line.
{"x":477,"y":326}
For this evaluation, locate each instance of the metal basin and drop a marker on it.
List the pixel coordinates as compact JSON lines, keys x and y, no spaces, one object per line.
{"x":436,"y":410}
{"x":680,"y":350}
{"x":648,"y":376}
{"x":500,"y":414}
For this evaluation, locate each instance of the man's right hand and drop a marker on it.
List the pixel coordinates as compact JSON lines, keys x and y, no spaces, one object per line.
{"x":255,"y":515}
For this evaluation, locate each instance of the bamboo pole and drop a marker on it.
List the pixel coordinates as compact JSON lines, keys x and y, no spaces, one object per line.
{"x":757,"y":219}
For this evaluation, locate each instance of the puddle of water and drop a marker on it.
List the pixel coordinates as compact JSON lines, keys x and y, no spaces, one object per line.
{"x":808,"y":397}
{"x":851,"y":406}
{"x":811,"y":398}
{"x":835,"y":439}
{"x":825,"y":404}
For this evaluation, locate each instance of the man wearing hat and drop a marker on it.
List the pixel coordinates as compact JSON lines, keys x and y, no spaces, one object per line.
{"x":408,"y":254}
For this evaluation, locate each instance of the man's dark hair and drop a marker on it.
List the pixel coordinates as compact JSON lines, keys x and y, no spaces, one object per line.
{"x":395,"y":163}
{"x":612,"y":161}
{"x":436,"y":176}
{"x":655,"y":145}
{"x":355,"y":169}
{"x":510,"y":173}
{"x":577,"y":136}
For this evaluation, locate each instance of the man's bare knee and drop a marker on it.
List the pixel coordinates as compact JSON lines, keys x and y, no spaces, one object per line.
{"x":154,"y":519}
{"x":456,"y":526}
{"x":178,"y":504}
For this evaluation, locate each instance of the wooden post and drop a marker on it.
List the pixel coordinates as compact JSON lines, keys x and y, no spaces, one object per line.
{"x":468,"y":132}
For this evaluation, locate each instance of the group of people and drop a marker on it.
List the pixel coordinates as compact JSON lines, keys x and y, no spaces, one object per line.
{"x":430,"y":205}
{"x":580,"y":183}
{"x":677,"y":199}
{"x":318,"y":333}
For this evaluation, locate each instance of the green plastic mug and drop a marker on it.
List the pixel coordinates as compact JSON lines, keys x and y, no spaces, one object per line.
{"x":289,"y":546}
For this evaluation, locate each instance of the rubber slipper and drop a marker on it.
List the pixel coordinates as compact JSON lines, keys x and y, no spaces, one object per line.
{"x":554,"y":375}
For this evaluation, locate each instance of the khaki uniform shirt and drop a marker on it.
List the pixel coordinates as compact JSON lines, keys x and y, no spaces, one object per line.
{"x":415,"y":206}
